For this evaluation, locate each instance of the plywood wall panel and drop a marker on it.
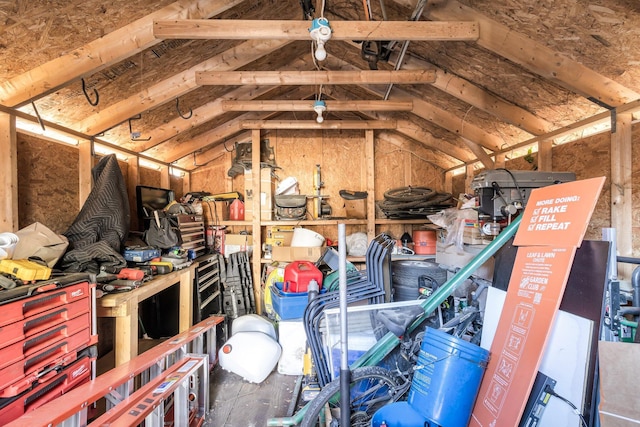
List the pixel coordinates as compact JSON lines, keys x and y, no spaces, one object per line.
{"x":47,"y":183}
{"x":343,"y":166}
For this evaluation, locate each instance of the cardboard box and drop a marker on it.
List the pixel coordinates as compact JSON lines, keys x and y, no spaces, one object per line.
{"x":279,"y":235}
{"x":289,"y":253}
{"x":237,"y":243}
{"x":618,"y":397}
{"x":267,"y":185}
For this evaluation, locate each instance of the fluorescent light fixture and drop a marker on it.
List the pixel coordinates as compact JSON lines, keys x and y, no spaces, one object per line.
{"x":144,"y":163}
{"x":177,"y":172}
{"x":105,"y":151}
{"x":33,"y":128}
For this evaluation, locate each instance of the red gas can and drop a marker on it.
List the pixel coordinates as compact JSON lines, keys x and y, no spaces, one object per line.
{"x":298,"y":274}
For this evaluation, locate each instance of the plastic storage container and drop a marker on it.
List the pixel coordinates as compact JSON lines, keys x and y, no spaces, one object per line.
{"x":298,"y":274}
{"x":288,"y":305}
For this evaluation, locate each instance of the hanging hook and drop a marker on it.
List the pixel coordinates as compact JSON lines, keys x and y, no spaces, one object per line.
{"x":86,"y":94}
{"x":184,"y":116}
{"x":135,"y":136}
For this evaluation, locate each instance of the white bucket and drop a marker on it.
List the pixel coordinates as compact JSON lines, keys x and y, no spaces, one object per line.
{"x":305,"y":238}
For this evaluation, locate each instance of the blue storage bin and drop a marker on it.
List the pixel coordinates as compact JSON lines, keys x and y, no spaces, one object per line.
{"x":288,"y":305}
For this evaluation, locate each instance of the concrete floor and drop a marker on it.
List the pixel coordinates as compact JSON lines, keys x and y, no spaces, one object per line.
{"x":238,"y":403}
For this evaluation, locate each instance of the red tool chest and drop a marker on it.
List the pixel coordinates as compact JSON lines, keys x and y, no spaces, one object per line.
{"x":46,"y":333}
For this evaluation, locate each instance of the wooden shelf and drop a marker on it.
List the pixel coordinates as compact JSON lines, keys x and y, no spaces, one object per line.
{"x":318,"y":222}
{"x":382,"y":221}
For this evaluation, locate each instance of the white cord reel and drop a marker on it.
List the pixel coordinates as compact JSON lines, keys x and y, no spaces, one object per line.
{"x":320,"y":32}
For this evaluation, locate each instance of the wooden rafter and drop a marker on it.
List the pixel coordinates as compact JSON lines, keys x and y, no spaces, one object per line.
{"x":312,"y":124}
{"x":172,"y":150}
{"x":280,"y":78}
{"x":480,"y":98}
{"x":175,"y":86}
{"x":437,"y":116}
{"x":427,"y":153}
{"x":208,"y":111}
{"x":239,"y":29}
{"x":286,"y":105}
{"x":536,"y":57}
{"x":102,"y":52}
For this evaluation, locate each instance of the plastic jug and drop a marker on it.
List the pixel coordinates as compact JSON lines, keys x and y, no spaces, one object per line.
{"x":298,"y":274}
{"x":236,"y":210}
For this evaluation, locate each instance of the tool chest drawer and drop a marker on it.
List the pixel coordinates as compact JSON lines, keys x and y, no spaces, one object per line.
{"x":43,"y":327}
{"x":192,"y":233}
{"x":48,"y":388}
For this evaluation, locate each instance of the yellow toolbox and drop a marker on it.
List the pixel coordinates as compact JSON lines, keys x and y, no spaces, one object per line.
{"x":25,"y":270}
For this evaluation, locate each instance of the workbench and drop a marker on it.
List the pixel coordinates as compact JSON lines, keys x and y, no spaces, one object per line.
{"x":124,"y":308}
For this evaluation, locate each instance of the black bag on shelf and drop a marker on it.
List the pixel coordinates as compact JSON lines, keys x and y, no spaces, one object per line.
{"x":161,"y":233}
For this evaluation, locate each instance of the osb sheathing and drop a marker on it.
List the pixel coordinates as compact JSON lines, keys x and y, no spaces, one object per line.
{"x":47,"y":183}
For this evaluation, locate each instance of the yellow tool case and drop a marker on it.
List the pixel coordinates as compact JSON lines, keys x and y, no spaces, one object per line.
{"x":24,"y":269}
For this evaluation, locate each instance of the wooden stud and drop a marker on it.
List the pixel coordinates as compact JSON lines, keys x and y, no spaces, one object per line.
{"x":85,"y":164}
{"x":257,"y":212}
{"x":9,"y":175}
{"x":369,"y":152}
{"x":622,"y":189}
{"x":545,"y":155}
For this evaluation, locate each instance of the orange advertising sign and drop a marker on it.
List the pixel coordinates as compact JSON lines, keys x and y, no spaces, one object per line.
{"x":559,"y":214}
{"x":553,"y":225}
{"x":535,"y":291}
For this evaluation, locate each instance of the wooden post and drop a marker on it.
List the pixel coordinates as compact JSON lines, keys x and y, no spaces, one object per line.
{"x":9,"y":175}
{"x":545,"y":155}
{"x":621,"y":189}
{"x":369,"y":151}
{"x":257,"y":211}
{"x":469,"y":172}
{"x":448,"y":182}
{"x":500,"y":161}
{"x":85,"y":164}
{"x":133,"y":178}
{"x":164,"y":177}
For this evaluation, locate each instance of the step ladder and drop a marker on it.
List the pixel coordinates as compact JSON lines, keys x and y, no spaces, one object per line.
{"x":118,"y":385}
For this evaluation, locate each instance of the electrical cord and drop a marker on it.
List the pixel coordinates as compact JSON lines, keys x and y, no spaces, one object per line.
{"x":549,"y":389}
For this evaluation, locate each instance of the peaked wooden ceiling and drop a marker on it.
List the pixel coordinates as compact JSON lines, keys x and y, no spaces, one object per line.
{"x":501,"y":73}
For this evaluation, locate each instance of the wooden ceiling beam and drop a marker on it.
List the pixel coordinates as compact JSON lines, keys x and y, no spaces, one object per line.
{"x":287,"y":105}
{"x":532,"y":55}
{"x":102,"y":52}
{"x":279,"y":78}
{"x":312,"y":124}
{"x":175,"y":86}
{"x":240,"y":29}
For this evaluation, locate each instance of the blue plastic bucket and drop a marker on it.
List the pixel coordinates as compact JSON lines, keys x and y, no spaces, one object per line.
{"x":445,"y":386}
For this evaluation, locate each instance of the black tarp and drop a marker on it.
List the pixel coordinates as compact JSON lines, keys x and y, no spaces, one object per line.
{"x":98,"y":233}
